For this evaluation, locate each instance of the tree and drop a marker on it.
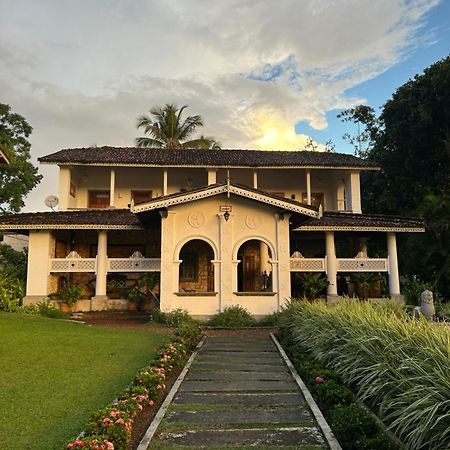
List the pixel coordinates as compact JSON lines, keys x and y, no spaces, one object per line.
{"x":167,"y":129}
{"x":410,"y":140}
{"x":20,"y":176}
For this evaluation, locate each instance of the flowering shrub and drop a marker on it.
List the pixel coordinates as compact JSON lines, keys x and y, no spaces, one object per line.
{"x":113,"y":425}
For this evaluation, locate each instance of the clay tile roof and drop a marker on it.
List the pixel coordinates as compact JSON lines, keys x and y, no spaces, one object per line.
{"x":203,"y":158}
{"x":350,"y":221}
{"x":107,"y":218}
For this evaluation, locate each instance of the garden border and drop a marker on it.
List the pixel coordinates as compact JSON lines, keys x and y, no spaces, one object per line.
{"x":323,"y":424}
{"x":146,"y":439}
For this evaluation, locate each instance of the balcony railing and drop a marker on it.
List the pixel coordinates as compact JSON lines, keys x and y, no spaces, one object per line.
{"x":307,"y":264}
{"x":73,"y":264}
{"x":362,"y":264}
{"x":113,"y":265}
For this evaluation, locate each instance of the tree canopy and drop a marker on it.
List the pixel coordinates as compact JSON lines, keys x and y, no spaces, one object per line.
{"x":20,"y":176}
{"x":167,"y":129}
{"x":410,"y":140}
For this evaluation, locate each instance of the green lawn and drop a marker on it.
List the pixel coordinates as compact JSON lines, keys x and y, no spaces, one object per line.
{"x":54,"y":374}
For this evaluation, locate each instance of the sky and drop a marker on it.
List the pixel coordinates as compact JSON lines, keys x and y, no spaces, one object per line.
{"x":262,"y":74}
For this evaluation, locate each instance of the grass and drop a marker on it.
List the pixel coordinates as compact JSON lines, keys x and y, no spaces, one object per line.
{"x":55,"y":374}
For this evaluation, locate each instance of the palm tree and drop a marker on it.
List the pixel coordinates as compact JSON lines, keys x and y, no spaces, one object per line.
{"x":166,"y":129}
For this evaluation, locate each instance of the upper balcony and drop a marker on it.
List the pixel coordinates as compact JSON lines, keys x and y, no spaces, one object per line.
{"x":103,"y":187}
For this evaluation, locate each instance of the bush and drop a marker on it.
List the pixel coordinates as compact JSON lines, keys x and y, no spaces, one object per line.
{"x":271,"y":320}
{"x":398,"y":365}
{"x":47,"y":309}
{"x":232,"y":317}
{"x":172,"y":318}
{"x":329,"y":393}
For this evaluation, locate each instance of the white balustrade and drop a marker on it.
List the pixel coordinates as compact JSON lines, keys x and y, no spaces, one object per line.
{"x":307,"y":264}
{"x":134,"y":264}
{"x":73,"y":265}
{"x":362,"y":265}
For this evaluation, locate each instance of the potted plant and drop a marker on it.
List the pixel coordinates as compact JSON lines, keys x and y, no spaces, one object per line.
{"x":68,"y":296}
{"x":136,"y":299}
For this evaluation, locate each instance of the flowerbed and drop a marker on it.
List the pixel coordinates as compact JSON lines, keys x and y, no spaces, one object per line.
{"x":111,"y":427}
{"x":396,"y":365}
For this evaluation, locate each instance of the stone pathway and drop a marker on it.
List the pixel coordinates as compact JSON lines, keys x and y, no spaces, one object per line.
{"x":238,"y":393}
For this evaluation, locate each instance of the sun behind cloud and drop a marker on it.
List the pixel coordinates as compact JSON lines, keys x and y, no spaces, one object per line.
{"x":274,"y":133}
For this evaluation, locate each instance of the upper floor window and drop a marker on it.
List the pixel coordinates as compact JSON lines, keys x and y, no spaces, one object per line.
{"x":98,"y":199}
{"x":316,"y":198}
{"x":141,"y":196}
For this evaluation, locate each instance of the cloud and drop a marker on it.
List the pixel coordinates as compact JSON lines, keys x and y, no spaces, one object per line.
{"x":81,"y":72}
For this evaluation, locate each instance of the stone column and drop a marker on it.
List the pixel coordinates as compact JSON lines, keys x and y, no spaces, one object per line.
{"x":112,"y":188}
{"x":165,"y":182}
{"x":212,"y":176}
{"x":394,"y":281}
{"x":99,"y":301}
{"x":169,"y":276}
{"x":64,"y":187}
{"x":308,"y":187}
{"x":39,"y":247}
{"x":281,"y":274}
{"x":331,"y":264}
{"x":228,"y":272}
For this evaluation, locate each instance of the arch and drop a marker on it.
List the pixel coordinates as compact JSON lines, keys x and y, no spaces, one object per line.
{"x":239,"y":243}
{"x":184,"y":241}
{"x":254,"y":269}
{"x":196,"y":271}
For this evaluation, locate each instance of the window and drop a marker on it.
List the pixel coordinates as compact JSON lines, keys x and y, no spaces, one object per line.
{"x":316,"y":198}
{"x":141,"y":196}
{"x":189,"y":267}
{"x":98,"y":199}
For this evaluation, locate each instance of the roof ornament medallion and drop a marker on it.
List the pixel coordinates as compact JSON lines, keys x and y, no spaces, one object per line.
{"x":253,"y":221}
{"x":196,"y":219}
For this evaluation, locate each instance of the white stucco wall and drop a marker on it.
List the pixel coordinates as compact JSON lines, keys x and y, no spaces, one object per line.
{"x":203,"y":220}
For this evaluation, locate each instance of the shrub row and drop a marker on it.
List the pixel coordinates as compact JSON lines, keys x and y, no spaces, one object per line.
{"x":397,"y":365}
{"x":111,"y":427}
{"x":354,"y":427}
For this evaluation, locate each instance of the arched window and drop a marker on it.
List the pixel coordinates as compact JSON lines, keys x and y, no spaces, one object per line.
{"x":254,"y":269}
{"x":196,"y":268}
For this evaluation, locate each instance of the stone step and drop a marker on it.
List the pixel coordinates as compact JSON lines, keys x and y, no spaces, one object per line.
{"x":271,"y":416}
{"x":236,"y":367}
{"x":237,"y":438}
{"x":241,"y":400}
{"x":229,"y":376}
{"x":231,"y":386}
{"x":249,"y":356}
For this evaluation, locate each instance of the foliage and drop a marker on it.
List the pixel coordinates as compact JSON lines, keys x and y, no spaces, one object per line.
{"x":116,"y":421}
{"x":398,"y":365}
{"x":135,"y":295}
{"x":92,"y":443}
{"x":413,"y":123}
{"x":20,"y":176}
{"x":166,"y":129}
{"x":232,"y":317}
{"x":12,"y":291}
{"x":47,"y":309}
{"x":13,"y":262}
{"x":172,"y":318}
{"x":313,"y":284}
{"x":412,"y":287}
{"x":271,"y":320}
{"x":70,"y":294}
{"x":365,"y":281}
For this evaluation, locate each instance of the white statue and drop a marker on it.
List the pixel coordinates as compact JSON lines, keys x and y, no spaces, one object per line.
{"x":426,"y":306}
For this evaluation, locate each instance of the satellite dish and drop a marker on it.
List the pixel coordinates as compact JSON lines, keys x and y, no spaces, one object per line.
{"x":51,"y":201}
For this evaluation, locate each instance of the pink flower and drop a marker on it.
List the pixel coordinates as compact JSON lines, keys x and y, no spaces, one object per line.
{"x":107,"y":421}
{"x":320,"y":380}
{"x":114,"y":413}
{"x":151,"y":402}
{"x":140,"y":407}
{"x":120,"y":421}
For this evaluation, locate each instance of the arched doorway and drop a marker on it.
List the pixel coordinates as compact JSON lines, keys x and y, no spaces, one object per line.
{"x":196,"y":272}
{"x":254,"y":269}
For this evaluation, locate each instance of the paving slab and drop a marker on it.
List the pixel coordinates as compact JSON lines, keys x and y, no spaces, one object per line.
{"x":230,"y":386}
{"x":271,"y":416}
{"x":239,"y":356}
{"x":246,"y":437}
{"x":241,"y":400}
{"x":234,"y":367}
{"x":247,"y":376}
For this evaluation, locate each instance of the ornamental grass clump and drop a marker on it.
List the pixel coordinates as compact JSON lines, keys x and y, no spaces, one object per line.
{"x":399,"y":366}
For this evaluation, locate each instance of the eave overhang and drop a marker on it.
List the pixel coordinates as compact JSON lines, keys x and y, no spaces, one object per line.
{"x":228,"y":189}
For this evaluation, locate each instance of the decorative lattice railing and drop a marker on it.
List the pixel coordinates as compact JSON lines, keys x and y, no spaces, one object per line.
{"x":362,"y":265}
{"x":307,"y":264}
{"x":72,"y":265}
{"x":134,"y":264}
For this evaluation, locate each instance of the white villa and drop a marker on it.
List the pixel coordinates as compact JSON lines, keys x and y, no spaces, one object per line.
{"x":222,"y":227}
